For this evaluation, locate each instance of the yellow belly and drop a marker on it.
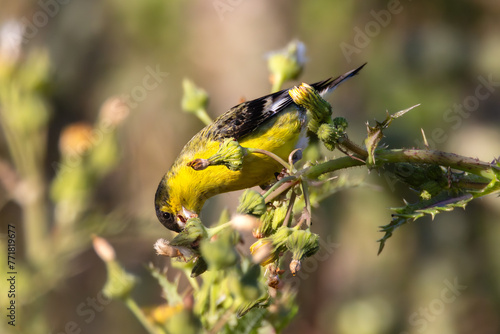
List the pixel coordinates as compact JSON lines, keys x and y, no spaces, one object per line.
{"x":279,"y":135}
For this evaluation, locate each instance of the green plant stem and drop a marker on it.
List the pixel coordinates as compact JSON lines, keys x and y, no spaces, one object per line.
{"x":277,"y":185}
{"x":203,"y":116}
{"x":282,"y":188}
{"x":330,"y":166}
{"x":416,"y":156}
{"x":445,"y":159}
{"x":307,"y":201}
{"x":277,"y":83}
{"x":472,"y":185}
{"x":289,"y":210}
{"x":271,"y":155}
{"x":214,"y":230}
{"x":350,"y":146}
{"x":192,"y":280}
{"x":132,"y":305}
{"x":27,"y":154}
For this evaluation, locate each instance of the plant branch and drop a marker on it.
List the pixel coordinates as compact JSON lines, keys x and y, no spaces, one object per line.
{"x":416,"y":156}
{"x":455,"y":161}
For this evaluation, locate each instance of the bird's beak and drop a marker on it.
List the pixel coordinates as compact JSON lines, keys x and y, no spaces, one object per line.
{"x":183,"y":216}
{"x":188,"y":214}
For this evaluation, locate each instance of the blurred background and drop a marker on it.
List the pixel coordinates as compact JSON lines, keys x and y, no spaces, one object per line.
{"x":105,"y":77}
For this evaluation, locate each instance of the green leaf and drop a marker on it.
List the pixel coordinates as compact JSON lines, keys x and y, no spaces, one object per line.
{"x":411,"y":212}
{"x":249,"y":324}
{"x":169,"y":288}
{"x":375,"y":134}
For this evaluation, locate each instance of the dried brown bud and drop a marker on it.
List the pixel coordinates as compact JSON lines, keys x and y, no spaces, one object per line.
{"x":199,"y":164}
{"x":295,"y":266}
{"x":162,"y":247}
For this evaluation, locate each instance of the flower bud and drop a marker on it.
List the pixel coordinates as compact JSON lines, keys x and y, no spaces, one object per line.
{"x":302,"y":244}
{"x":327,"y":133}
{"x":279,"y":216}
{"x":271,"y":220}
{"x":278,"y":242}
{"x":163,"y":247}
{"x":119,"y":282}
{"x":162,"y":313}
{"x":308,"y":98}
{"x":244,"y":223}
{"x":252,"y":203}
{"x":230,"y":154}
{"x":287,"y":64}
{"x":295,"y":266}
{"x":194,"y":98}
{"x":113,"y":112}
{"x":11,"y":41}
{"x":192,"y":233}
{"x":262,"y":250}
{"x":76,"y":139}
{"x":340,"y":123}
{"x":103,"y":249}
{"x":265,"y":227}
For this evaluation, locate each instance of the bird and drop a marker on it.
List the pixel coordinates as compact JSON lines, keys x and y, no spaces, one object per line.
{"x":272,"y":122}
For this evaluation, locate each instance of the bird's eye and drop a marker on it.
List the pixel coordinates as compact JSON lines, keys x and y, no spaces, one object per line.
{"x":167,"y":219}
{"x":167,"y":216}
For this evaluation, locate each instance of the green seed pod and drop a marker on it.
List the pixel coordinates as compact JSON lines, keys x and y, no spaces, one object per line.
{"x":252,"y":203}
{"x":230,"y":154}
{"x":302,"y":244}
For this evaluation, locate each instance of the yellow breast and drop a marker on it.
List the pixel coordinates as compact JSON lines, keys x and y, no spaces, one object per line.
{"x":279,"y":135}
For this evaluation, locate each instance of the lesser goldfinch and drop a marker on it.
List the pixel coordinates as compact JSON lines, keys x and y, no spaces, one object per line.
{"x":273,"y":123}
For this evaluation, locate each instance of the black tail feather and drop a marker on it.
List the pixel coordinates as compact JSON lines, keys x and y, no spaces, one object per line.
{"x":326,"y":86}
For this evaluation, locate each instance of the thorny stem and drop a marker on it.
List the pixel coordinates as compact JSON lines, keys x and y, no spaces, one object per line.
{"x":314,"y":172}
{"x":455,"y":161}
{"x":418,"y":156}
{"x":473,"y":185}
{"x":346,"y":143}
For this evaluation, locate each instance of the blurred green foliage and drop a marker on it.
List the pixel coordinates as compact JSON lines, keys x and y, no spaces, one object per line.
{"x":431,"y":52}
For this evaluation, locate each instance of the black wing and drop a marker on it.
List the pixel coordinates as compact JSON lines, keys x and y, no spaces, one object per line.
{"x":248,"y":116}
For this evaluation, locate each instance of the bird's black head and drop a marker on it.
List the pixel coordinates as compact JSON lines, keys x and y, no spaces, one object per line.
{"x":165,"y":216}
{"x":167,"y":219}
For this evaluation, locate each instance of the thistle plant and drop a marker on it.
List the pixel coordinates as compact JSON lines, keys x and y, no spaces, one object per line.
{"x":56,"y":218}
{"x":239,"y":288}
